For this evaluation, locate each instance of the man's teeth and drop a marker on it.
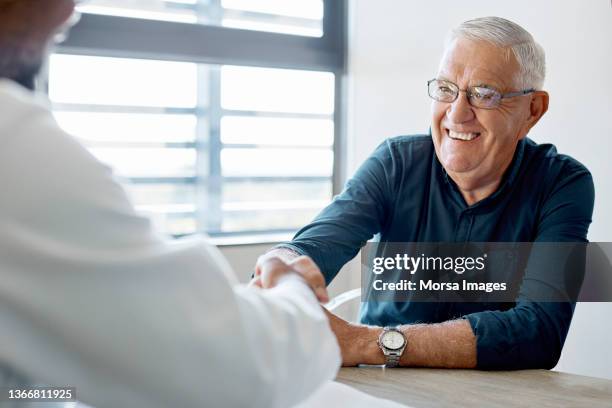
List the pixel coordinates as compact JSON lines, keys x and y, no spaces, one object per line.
{"x":462,"y":136}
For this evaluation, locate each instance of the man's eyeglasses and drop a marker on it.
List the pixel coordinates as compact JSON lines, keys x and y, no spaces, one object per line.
{"x":478,"y":96}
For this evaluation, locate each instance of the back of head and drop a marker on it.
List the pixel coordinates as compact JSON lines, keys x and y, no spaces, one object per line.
{"x":26,"y":29}
{"x":511,"y":36}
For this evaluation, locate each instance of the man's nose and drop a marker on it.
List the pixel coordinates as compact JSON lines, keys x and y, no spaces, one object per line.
{"x":460,"y":110}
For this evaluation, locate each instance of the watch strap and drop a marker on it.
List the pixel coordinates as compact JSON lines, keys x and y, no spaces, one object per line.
{"x":392,"y":360}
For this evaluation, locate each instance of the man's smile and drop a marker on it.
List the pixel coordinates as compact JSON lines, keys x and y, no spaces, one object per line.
{"x":464,"y":136}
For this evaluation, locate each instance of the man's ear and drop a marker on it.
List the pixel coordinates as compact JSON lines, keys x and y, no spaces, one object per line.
{"x":537,"y":109}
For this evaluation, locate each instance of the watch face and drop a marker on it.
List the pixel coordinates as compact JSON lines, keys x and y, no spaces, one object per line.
{"x":393,"y":340}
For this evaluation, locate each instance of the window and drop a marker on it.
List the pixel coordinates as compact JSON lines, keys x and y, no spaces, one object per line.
{"x":204,"y":141}
{"x":298,"y":17}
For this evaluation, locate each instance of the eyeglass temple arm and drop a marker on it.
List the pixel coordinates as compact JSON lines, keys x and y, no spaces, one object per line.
{"x":519,"y":93}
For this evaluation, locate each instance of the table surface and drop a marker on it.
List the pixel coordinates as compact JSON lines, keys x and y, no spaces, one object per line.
{"x":425,"y":387}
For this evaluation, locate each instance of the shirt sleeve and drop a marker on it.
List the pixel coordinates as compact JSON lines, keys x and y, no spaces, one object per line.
{"x":286,"y":328}
{"x":92,"y":297}
{"x":531,"y":334}
{"x":337,"y":234}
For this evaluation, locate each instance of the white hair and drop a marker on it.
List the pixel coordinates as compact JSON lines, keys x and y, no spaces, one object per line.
{"x":509,"y":35}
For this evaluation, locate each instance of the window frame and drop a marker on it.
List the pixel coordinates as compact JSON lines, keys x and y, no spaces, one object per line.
{"x":165,"y":40}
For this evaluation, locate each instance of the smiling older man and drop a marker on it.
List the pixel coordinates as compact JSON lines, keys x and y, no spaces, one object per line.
{"x":476,"y":178}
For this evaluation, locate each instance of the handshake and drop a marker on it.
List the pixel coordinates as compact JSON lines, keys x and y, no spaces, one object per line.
{"x":278,"y":263}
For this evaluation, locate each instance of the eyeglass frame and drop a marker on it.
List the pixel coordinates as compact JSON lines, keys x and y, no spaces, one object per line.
{"x":502,"y":96}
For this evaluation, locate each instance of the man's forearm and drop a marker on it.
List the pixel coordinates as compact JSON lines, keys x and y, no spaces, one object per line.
{"x":450,"y":344}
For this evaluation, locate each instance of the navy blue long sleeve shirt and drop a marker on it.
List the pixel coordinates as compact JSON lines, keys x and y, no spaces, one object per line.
{"x":403,"y":193}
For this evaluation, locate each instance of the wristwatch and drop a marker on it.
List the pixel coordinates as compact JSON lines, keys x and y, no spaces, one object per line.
{"x":392,"y":342}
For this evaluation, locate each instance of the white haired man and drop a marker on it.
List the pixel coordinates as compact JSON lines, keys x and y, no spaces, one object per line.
{"x":475,"y":177}
{"x":91,"y":297}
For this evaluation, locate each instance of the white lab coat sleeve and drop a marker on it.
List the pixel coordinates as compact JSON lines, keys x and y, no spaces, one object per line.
{"x":295,"y":331}
{"x":92,"y":297}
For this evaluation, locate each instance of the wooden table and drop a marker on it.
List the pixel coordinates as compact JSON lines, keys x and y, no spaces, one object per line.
{"x":424,"y":387}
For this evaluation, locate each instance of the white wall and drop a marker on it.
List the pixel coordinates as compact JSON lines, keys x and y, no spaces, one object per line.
{"x":394,"y":48}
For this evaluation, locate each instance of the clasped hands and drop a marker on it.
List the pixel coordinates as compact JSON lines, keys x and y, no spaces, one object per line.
{"x":269,"y":269}
{"x":357,"y":342}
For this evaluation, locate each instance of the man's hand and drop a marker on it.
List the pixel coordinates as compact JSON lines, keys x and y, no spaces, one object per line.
{"x":270,"y":268}
{"x":358,"y":343}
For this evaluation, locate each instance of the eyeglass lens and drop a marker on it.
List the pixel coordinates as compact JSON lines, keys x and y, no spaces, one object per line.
{"x":478,"y":96}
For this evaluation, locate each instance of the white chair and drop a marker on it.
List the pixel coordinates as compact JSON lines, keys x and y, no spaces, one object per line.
{"x":343,"y":298}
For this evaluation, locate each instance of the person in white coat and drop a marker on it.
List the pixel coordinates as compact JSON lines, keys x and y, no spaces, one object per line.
{"x":92,"y":297}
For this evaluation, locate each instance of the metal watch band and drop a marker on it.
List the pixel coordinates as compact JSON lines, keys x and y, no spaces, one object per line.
{"x":392,"y":360}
